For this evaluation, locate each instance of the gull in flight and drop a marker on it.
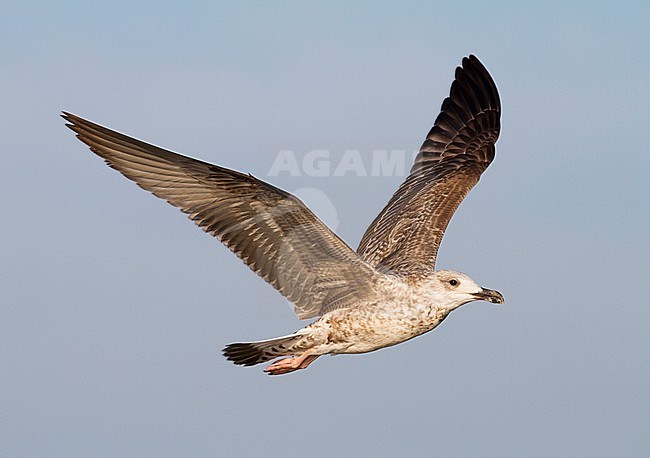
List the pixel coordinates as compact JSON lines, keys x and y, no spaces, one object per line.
{"x":383,"y":294}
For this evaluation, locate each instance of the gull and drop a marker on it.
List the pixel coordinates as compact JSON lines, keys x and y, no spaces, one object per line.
{"x":386,"y":292}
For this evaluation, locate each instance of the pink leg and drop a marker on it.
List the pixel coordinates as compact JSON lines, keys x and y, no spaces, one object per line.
{"x":286,"y":365}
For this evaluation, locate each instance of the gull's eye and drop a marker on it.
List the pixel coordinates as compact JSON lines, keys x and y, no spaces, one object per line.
{"x":453,"y":282}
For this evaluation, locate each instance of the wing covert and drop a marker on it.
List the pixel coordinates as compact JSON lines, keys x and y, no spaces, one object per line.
{"x":272,"y":231}
{"x":404,"y":238}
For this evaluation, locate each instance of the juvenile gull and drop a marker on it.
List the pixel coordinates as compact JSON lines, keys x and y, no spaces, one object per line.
{"x":385,"y":293}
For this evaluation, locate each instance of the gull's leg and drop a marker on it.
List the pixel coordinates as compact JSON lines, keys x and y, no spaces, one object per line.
{"x":286,"y":365}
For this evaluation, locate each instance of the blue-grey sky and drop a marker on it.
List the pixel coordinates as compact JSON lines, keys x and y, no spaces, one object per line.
{"x":115,"y":307}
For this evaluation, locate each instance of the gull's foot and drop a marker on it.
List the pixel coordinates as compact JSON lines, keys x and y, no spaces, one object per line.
{"x":286,"y":365}
{"x":283,"y":366}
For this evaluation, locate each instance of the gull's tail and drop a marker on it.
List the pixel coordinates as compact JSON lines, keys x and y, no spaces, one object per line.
{"x":251,"y":353}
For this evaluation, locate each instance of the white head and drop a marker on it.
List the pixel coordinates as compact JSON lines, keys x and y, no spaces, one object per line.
{"x":451,"y":289}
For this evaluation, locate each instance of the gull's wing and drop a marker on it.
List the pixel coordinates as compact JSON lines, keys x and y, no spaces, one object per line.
{"x":272,"y":231}
{"x":405,"y":236}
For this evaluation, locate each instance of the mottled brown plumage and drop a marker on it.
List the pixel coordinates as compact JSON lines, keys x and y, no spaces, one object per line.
{"x":386,"y":293}
{"x":405,"y":236}
{"x":268,"y":228}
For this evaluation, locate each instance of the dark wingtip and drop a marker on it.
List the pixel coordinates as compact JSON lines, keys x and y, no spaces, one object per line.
{"x":71,"y":120}
{"x":474,"y":65}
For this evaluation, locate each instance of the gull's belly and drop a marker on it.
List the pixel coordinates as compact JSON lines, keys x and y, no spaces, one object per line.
{"x":367,"y":329}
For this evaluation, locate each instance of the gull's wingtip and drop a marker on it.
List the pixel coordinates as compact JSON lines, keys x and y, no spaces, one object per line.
{"x":472,"y":60}
{"x":69,"y":118}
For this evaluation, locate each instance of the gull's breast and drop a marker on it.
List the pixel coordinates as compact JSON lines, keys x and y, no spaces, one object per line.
{"x":374,"y":326}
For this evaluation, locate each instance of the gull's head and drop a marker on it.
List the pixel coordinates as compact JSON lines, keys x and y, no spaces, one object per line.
{"x":453,"y":289}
